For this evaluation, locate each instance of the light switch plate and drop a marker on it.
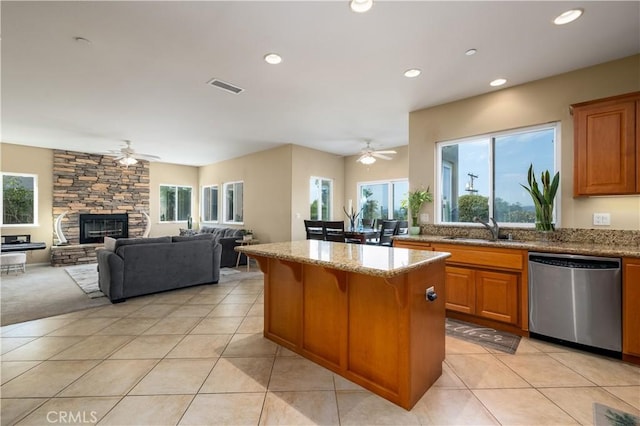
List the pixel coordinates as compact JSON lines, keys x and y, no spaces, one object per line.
{"x":602,"y":219}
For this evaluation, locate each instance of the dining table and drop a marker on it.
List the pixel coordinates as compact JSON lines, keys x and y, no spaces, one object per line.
{"x":362,"y":235}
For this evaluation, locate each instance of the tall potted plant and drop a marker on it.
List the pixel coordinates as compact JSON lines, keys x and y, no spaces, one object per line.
{"x":543,"y":200}
{"x":415,"y":200}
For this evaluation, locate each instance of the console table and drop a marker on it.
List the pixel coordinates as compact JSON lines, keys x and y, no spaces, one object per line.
{"x":358,"y":310}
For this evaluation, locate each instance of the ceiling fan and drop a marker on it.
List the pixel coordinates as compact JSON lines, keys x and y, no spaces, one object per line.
{"x":368,"y":155}
{"x":127,"y":156}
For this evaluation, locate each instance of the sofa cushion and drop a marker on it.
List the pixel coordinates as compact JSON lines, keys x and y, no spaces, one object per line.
{"x":188,"y":232}
{"x":121,"y":242}
{"x":186,"y":238}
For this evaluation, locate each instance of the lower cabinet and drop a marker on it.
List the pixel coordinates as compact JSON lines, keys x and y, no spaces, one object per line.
{"x":488,"y":294}
{"x":630,"y":304}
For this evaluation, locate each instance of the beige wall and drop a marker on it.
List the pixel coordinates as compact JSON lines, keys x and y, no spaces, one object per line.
{"x":533,"y":103}
{"x":267,"y":190}
{"x":171,"y":174}
{"x":307,"y":162}
{"x":37,"y":161}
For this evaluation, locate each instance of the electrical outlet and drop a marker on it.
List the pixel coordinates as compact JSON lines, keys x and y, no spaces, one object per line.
{"x":424,"y":217}
{"x":602,"y":219}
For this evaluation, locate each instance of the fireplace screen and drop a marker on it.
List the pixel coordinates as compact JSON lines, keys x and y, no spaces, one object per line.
{"x":94,"y":227}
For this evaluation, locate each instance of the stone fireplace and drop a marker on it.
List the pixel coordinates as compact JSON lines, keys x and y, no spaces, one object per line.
{"x":92,"y":184}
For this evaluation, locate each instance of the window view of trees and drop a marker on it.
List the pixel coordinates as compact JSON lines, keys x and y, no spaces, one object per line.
{"x":175,"y":203}
{"x":383,"y":200}
{"x":481,"y":177}
{"x":19,"y":198}
{"x":320,"y":196}
{"x":234,"y":202}
{"x":210,"y":203}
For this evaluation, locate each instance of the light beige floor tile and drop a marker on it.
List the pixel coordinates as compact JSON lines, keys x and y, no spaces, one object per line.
{"x":602,"y":371}
{"x":527,"y":347}
{"x":117,"y":310}
{"x":154,"y":410}
{"x":299,"y":374}
{"x":200,"y":346}
{"x":247,"y":287}
{"x":366,"y":408}
{"x":173,"y":325}
{"x":217,"y":325}
{"x":629,"y":394}
{"x":239,"y":298}
{"x":214,"y":290}
{"x":282,"y":351}
{"x":46,"y":379}
{"x":342,"y":384}
{"x":37,"y":328}
{"x":12,"y":410}
{"x":257,"y":310}
{"x":522,"y":407}
{"x":175,"y":376}
{"x":239,"y":375}
{"x":230,"y":310}
{"x":85,"y":411}
{"x":10,"y":343}
{"x":448,"y":379}
{"x":252,"y":325}
{"x":457,"y":346}
{"x":547,"y":347}
{"x":12,"y":369}
{"x":93,"y":347}
{"x":197,"y":311}
{"x":578,"y":402}
{"x":128,"y":327}
{"x":300,"y":408}
{"x":153,"y":310}
{"x":174,"y":297}
{"x":224,"y":409}
{"x":484,"y":371}
{"x":540,"y":370}
{"x":441,"y":406}
{"x":144,"y":347}
{"x":41,"y":349}
{"x":110,"y":378}
{"x":249,"y":345}
{"x":206,"y":299}
{"x":83,"y":327}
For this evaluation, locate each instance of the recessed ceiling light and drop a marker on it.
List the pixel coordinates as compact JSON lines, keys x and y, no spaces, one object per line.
{"x":361,"y":6}
{"x":471,"y":52}
{"x":498,"y":82}
{"x":568,"y":16}
{"x":272,"y":58}
{"x":413,"y":72}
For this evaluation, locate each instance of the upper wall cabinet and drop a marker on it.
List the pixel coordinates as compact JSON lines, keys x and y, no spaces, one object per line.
{"x":606,"y":146}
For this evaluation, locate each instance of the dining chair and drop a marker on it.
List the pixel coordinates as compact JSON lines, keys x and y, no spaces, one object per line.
{"x":387,"y":230}
{"x":314,"y":229}
{"x":334,"y":231}
{"x":402,"y":228}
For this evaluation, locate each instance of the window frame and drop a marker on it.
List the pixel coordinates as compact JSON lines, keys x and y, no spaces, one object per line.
{"x":203,"y":206}
{"x":490,"y":137}
{"x":331,"y":196}
{"x":390,"y":193}
{"x":35,"y":200}
{"x":225,"y":205}
{"x":176,"y":187}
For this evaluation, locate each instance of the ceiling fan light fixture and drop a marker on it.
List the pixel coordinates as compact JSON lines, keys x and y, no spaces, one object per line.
{"x":361,"y":6}
{"x":568,"y":16}
{"x":128,"y":161}
{"x":369,"y":159}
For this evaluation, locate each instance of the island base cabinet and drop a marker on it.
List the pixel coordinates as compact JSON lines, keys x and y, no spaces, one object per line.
{"x":381,"y":333}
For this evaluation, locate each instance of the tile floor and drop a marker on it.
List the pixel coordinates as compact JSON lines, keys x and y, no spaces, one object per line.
{"x":197,"y":357}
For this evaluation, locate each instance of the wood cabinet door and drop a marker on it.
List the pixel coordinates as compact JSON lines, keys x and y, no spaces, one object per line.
{"x":631,"y":306}
{"x":497,"y":296}
{"x":605,"y":148}
{"x":460,"y":289}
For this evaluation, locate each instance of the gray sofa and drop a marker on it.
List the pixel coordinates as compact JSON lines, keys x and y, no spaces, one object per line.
{"x":227,"y":237}
{"x":129,"y":267}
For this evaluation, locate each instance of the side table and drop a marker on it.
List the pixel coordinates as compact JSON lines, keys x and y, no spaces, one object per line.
{"x":245,"y":243}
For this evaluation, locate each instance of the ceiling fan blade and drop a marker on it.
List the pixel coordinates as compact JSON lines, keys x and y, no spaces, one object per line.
{"x":390,"y":151}
{"x":147,"y":157}
{"x":384,"y":157}
{"x":365,"y":155}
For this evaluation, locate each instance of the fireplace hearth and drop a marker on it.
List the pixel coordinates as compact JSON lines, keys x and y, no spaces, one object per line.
{"x":94,"y":227}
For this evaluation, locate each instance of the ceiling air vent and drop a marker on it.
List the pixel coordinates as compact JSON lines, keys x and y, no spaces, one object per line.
{"x":225,"y":86}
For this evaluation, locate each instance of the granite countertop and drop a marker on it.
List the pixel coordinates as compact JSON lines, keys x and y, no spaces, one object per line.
{"x":378,"y":261}
{"x":587,"y":249}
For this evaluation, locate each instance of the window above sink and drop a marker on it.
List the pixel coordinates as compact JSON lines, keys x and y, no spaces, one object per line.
{"x":480,"y":176}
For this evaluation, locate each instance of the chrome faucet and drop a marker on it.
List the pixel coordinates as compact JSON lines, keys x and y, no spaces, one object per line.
{"x":493,"y":228}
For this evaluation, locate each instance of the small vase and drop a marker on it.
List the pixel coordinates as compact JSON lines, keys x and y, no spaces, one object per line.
{"x":352,"y":225}
{"x":414,"y":230}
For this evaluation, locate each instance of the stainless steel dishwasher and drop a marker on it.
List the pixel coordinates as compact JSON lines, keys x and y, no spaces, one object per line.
{"x":576,"y":300}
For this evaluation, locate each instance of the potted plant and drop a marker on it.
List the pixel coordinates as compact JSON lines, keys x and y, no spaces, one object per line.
{"x":248,"y":235}
{"x":415,"y":200}
{"x":543,"y":201}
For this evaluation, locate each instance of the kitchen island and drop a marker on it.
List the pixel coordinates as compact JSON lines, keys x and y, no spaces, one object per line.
{"x":361,"y":311}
